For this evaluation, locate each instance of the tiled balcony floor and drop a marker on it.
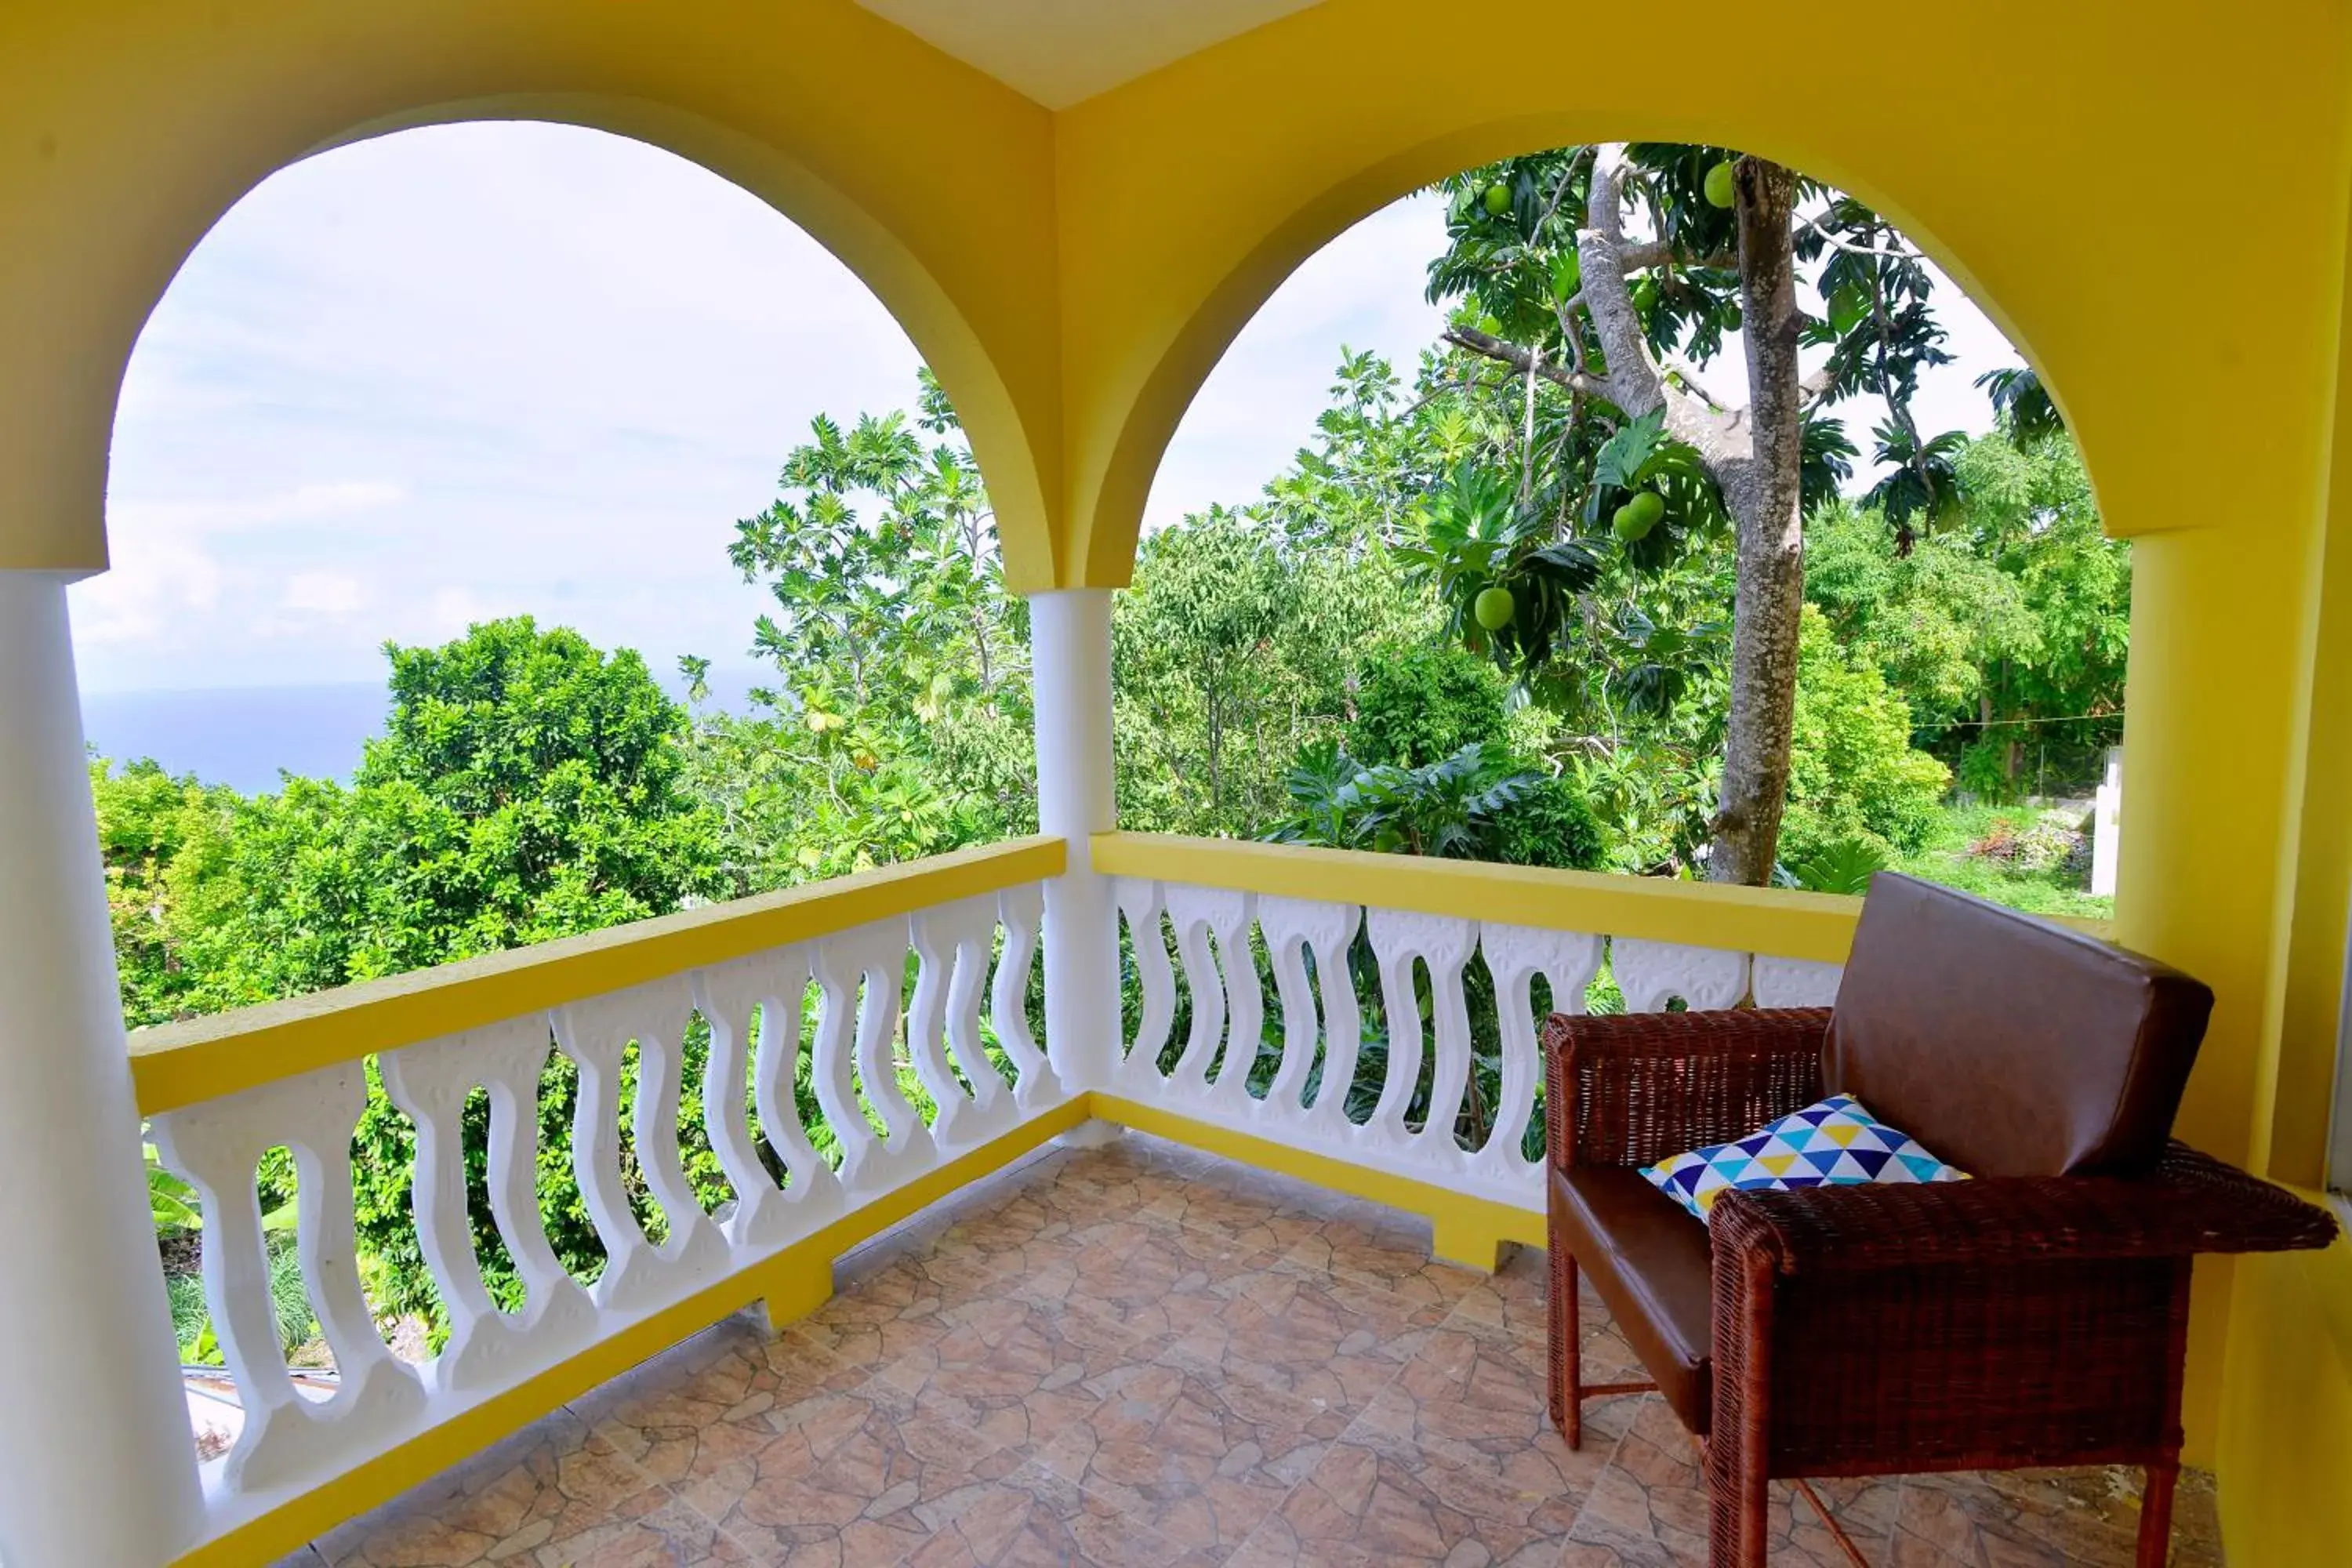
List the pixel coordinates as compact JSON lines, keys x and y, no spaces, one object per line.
{"x":1137,"y":1354}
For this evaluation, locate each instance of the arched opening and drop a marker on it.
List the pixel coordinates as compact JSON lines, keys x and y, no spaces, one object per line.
{"x":1480,"y":529}
{"x":516,"y":529}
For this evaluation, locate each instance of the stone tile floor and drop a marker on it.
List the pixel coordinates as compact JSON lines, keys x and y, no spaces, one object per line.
{"x":1141,"y":1356}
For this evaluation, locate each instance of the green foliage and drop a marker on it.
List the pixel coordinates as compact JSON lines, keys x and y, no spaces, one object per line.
{"x":1852,"y":772}
{"x":1235,"y":649}
{"x":191,"y":1319}
{"x":2006,"y":628}
{"x":162,"y":840}
{"x":900,"y":725}
{"x":1419,"y":704}
{"x":290,"y":1307}
{"x":171,"y":1202}
{"x":1474,"y":537}
{"x":1840,"y":865}
{"x":1457,"y":808}
{"x":1552,"y":826}
{"x":1952,"y":855}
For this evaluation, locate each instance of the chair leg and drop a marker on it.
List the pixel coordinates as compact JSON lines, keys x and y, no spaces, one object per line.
{"x":2156,"y":1514}
{"x":1567,"y":1354}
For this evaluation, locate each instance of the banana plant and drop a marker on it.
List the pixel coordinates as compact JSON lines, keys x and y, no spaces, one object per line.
{"x":177,"y":1210}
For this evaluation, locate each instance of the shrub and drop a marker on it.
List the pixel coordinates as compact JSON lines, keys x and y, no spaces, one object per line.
{"x":1984,"y":771}
{"x":1553,"y":826}
{"x":1852,"y":772}
{"x":1419,"y":705}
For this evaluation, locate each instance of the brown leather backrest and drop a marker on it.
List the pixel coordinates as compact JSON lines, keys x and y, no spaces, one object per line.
{"x":2009,"y":1046}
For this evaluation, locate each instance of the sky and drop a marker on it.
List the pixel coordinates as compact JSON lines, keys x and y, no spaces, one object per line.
{"x":481,"y":370}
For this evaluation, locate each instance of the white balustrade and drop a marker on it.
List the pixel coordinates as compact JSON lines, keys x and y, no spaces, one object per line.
{"x":432,"y":1083}
{"x":775,"y":987}
{"x":218,"y":1146}
{"x":1424,"y":965}
{"x":1022,"y":912}
{"x":639,"y":1276}
{"x":1795,"y":981}
{"x":961,"y":1033}
{"x":753,"y":1009}
{"x":1297,"y":929}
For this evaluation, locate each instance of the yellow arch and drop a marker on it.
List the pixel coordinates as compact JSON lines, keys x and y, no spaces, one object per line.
{"x":129,"y":138}
{"x":1188,"y":194}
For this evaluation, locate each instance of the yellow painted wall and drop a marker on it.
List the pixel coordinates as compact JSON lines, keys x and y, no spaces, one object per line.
{"x":2285,"y":1500}
{"x":2083,"y":169}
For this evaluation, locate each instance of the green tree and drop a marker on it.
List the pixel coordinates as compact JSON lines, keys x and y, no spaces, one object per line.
{"x":901,"y":724}
{"x":1599,"y":324}
{"x":1235,"y":648}
{"x":1423,"y":704}
{"x":527,"y":786}
{"x":2007,"y":625}
{"x":1854,"y":773}
{"x":162,"y":839}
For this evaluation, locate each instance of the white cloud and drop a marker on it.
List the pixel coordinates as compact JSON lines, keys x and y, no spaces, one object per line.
{"x":175,"y":572}
{"x":477,"y":370}
{"x":309,"y":503}
{"x":323,"y":593}
{"x":148,"y":589}
{"x":451,"y":611}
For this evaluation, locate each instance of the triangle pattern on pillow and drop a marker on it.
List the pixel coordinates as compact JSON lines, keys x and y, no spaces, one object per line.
{"x":1835,"y":1142}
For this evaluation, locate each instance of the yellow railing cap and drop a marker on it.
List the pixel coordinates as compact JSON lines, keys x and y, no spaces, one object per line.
{"x":182,"y":1063}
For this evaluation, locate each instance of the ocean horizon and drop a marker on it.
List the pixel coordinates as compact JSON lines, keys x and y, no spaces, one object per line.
{"x":249,"y":737}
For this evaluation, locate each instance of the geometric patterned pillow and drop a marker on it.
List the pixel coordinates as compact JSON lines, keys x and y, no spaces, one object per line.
{"x":1833,"y":1143}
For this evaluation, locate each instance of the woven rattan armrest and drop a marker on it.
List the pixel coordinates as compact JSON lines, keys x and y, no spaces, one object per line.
{"x":1633,"y":1088}
{"x":2189,"y":1204}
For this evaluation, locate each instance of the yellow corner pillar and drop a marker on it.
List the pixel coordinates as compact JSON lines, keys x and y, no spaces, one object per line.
{"x":2285,"y":1399}
{"x":2212,"y":739}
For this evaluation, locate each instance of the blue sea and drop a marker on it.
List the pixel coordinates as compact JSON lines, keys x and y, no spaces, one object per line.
{"x":245,"y":736}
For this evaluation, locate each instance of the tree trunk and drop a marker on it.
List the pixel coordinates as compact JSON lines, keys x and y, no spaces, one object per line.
{"x":1764,"y":499}
{"x":1755,"y":455}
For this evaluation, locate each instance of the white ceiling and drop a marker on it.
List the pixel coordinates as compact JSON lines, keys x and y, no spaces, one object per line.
{"x":1060,"y":51}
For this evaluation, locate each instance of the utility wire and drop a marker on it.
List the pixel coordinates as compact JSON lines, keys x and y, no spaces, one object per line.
{"x":1997,"y":723}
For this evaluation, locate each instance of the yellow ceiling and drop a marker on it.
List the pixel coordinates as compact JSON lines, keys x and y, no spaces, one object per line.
{"x":1059,"y":52}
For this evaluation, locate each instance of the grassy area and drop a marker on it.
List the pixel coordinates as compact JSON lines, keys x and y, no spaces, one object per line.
{"x":1957,"y":855}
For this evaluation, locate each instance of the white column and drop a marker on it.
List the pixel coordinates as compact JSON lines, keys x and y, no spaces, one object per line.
{"x":1069,"y":639}
{"x":96,"y":1464}
{"x":2106,"y":826}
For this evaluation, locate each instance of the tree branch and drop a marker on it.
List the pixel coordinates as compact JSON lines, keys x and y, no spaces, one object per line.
{"x":1635,"y":383}
{"x":1815,"y":386}
{"x":1566,"y":311}
{"x":1519,"y":360}
{"x":1690,"y":384}
{"x":1852,"y":249}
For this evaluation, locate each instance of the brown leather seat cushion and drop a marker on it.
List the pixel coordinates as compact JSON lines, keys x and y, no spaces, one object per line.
{"x":1649,"y":1261}
{"x":2006,"y":1044}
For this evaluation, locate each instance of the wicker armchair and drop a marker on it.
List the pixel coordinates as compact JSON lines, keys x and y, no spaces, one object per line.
{"x":2035,"y":1315}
